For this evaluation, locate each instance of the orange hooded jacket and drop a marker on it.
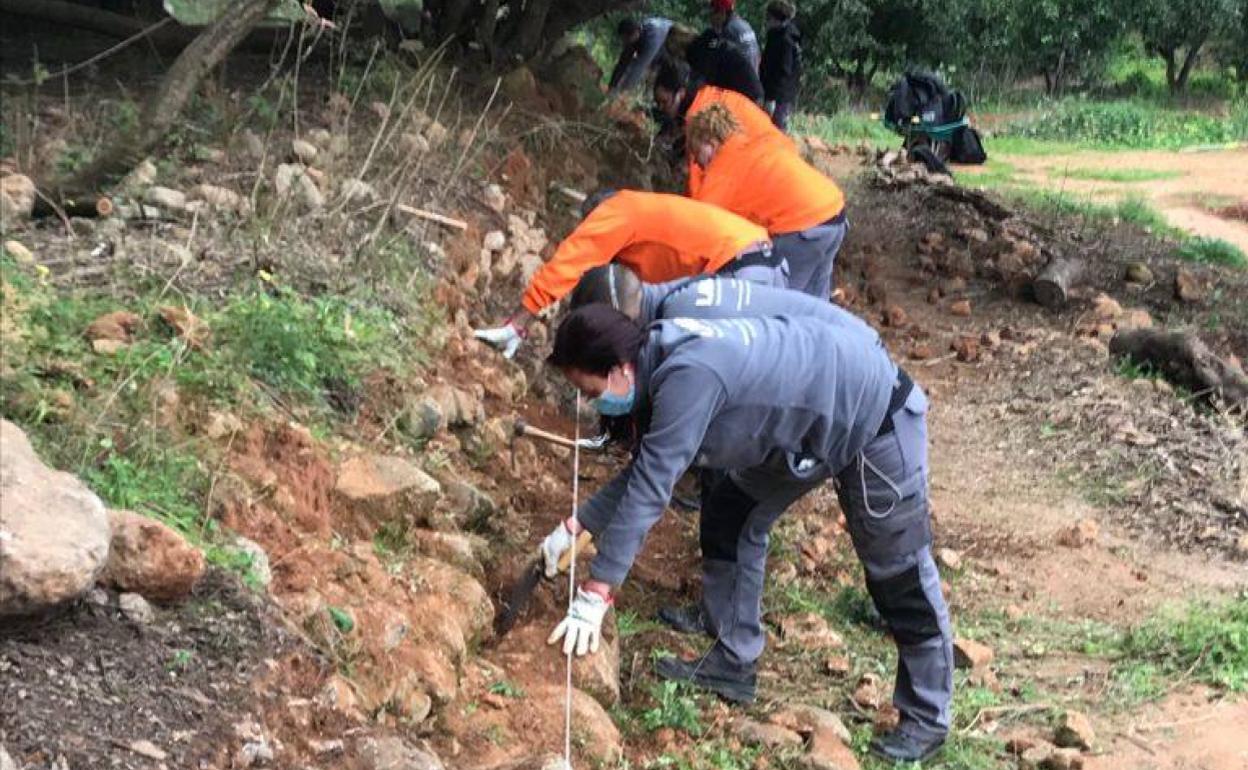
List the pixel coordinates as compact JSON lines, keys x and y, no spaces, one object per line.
{"x":660,"y":237}
{"x":770,"y":186}
{"x":754,"y":123}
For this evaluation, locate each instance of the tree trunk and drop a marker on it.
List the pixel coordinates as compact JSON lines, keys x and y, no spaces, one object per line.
{"x":199,"y":58}
{"x":1168,"y":57}
{"x":1186,"y":361}
{"x":1189,"y":61}
{"x":1052,"y":286}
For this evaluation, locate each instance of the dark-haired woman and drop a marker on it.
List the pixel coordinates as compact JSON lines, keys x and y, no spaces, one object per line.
{"x":784,"y":404}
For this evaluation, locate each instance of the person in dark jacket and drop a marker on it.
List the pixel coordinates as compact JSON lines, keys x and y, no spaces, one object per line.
{"x":781,"y":70}
{"x":734,"y":29}
{"x":719,"y":63}
{"x":782,"y":403}
{"x":642,"y":45}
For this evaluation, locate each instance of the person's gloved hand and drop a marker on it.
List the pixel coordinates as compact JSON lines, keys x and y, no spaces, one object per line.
{"x":506,"y":338}
{"x":554,"y":546}
{"x":581,"y":630}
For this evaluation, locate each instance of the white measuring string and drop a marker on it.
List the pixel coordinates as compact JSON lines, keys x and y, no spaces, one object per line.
{"x":576,"y":489}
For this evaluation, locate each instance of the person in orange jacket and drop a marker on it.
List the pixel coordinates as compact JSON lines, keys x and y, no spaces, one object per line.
{"x":660,"y":237}
{"x":803,"y":210}
{"x":680,"y":99}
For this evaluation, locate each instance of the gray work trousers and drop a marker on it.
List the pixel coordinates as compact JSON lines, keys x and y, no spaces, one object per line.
{"x":884,"y":496}
{"x":776,"y":276}
{"x":811,"y":255}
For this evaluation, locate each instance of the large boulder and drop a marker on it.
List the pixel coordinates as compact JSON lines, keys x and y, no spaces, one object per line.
{"x":380,"y":488}
{"x":54,"y":532}
{"x":17,"y":198}
{"x":151,"y":559}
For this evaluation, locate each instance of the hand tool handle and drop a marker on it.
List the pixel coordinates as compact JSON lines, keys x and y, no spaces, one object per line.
{"x":582,"y":542}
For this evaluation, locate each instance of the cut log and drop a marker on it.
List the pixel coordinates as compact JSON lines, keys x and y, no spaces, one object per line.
{"x":1052,"y":286}
{"x":1185,"y":360}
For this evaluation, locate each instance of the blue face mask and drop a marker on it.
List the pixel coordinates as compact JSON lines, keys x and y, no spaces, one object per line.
{"x":611,"y":405}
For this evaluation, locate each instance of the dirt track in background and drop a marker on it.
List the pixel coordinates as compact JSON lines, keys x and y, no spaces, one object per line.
{"x":1195,"y":187}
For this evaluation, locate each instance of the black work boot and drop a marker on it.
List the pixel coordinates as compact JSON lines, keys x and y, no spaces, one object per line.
{"x":902,"y":746}
{"x":690,"y":619}
{"x":732,"y":681}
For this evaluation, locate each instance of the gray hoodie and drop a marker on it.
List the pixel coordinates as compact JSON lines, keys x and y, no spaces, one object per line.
{"x":726,"y":394}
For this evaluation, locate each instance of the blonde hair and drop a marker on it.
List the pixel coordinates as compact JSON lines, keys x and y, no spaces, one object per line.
{"x":712,"y":125}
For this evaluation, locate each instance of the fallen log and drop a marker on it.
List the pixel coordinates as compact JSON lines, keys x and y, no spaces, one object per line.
{"x":1053,"y":284}
{"x":1186,"y":361}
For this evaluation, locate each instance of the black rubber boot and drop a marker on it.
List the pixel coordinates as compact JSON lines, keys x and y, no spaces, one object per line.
{"x":732,"y":681}
{"x":689,"y":619}
{"x":901,"y":746}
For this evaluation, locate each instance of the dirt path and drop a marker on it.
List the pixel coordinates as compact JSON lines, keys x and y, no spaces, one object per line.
{"x":1187,"y":187}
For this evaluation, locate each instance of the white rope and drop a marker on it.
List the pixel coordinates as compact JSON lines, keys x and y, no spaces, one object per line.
{"x":576,"y":488}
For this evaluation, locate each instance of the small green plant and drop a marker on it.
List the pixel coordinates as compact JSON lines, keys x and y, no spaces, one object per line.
{"x":1130,"y":369}
{"x":180,"y":660}
{"x":341,"y":618}
{"x":675,"y":709}
{"x":629,"y":623}
{"x":1213,"y":251}
{"x":506,"y":689}
{"x":1123,"y":175}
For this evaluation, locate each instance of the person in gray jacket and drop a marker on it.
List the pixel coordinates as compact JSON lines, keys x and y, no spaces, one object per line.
{"x":737,"y":31}
{"x":642,"y":43}
{"x":782,"y":403}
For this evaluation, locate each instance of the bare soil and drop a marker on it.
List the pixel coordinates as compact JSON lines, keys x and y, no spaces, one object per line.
{"x":1198,"y":198}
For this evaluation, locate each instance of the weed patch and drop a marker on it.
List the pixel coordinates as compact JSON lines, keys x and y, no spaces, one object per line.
{"x":675,"y":708}
{"x":1123,"y":175}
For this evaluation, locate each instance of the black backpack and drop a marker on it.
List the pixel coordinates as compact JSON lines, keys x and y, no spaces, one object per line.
{"x":925,"y":96}
{"x":967,"y":147}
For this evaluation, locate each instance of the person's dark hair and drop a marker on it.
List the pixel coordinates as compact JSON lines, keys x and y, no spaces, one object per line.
{"x":780,"y":10}
{"x":673,"y":75}
{"x":595,"y":339}
{"x":595,"y":199}
{"x":701,"y":52}
{"x":612,"y":284}
{"x":627,"y":27}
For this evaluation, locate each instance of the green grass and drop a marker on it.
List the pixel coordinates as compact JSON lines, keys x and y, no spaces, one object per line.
{"x":1122,"y":175}
{"x":674,"y":708}
{"x":1206,"y":642}
{"x":1213,"y":251}
{"x":1136,"y":124}
{"x":846,"y":128}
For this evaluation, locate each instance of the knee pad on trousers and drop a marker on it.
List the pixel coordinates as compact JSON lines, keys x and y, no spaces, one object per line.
{"x":724,"y":513}
{"x":905,"y":607}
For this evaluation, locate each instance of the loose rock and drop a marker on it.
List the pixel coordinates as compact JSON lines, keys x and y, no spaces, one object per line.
{"x":259,"y":568}
{"x":1105,"y":308}
{"x":1082,"y":533}
{"x":413,"y":143}
{"x":810,"y":631}
{"x":808,"y":720}
{"x":135,"y":608}
{"x":118,"y":325}
{"x":494,"y":197}
{"x":961,"y":308}
{"x":1187,"y":288}
{"x":304,"y":152}
{"x":1074,"y":730}
{"x":107,"y":347}
{"x":895,"y":316}
{"x":357,"y":192}
{"x":1139,"y":273}
{"x":165,"y":198}
{"x":828,"y":752}
{"x":1063,"y":759}
{"x":150,"y":558}
{"x":494,"y":241}
{"x":967,"y":348}
{"x":949,"y":559}
{"x":19,"y":252}
{"x":867,"y":694}
{"x":971,"y":654}
{"x":220,"y":198}
{"x":54,"y":535}
{"x":17,"y":197}
{"x":771,"y":736}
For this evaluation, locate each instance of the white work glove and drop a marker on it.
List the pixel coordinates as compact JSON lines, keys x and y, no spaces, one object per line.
{"x":554,"y":546}
{"x":582,"y":628}
{"x":506,"y":338}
